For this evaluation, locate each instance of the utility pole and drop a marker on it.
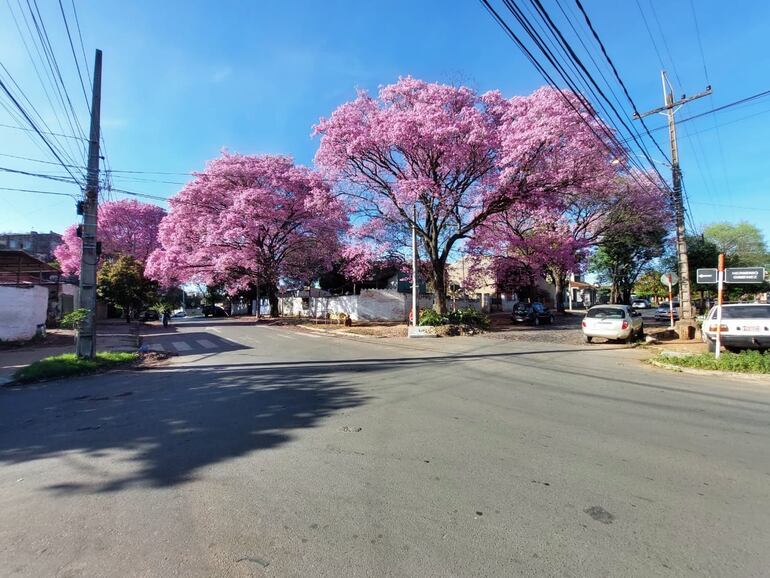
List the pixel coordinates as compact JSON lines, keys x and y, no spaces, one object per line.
{"x":86,"y":344}
{"x":669,"y":109}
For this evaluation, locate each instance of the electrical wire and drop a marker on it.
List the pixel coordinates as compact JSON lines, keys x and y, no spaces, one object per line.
{"x":609,"y":137}
{"x":38,"y":192}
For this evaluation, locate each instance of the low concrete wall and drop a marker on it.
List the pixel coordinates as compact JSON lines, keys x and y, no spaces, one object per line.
{"x":370,"y":305}
{"x":22,"y":311}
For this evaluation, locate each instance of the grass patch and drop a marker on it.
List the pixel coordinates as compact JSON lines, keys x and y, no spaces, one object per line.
{"x":743,"y":362}
{"x":69,"y":364}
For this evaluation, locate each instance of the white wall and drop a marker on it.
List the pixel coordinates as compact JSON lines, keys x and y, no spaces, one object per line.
{"x":370,"y":305}
{"x":22,"y":310}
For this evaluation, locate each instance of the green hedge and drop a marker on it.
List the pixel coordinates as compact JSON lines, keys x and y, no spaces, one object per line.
{"x":744,"y":362}
{"x":468,"y":316}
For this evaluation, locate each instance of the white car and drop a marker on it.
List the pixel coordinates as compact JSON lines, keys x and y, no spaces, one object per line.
{"x":619,"y":322}
{"x":744,"y":326}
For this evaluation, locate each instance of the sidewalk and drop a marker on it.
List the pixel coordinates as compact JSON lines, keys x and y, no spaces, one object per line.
{"x":110,"y":336}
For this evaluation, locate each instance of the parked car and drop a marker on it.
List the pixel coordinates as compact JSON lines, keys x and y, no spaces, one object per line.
{"x":179,"y":314}
{"x":744,"y":326}
{"x":149,"y":315}
{"x":535,"y":313}
{"x":641,"y":303}
{"x":663,"y":311}
{"x":618,"y":322}
{"x":214,"y":311}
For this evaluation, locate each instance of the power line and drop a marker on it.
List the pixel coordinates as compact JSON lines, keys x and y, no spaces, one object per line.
{"x":34,"y":126}
{"x":39,"y":76}
{"x":616,"y":149}
{"x":74,"y":56}
{"x":38,"y":192}
{"x":40,"y":175}
{"x":617,"y":76}
{"x":42,"y":131}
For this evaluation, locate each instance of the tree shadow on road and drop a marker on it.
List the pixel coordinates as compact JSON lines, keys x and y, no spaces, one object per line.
{"x":165,"y":427}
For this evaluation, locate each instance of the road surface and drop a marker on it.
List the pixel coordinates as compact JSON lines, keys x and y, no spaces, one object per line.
{"x":267,"y":451}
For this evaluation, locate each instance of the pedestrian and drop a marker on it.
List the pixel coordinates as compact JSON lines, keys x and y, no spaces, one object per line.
{"x":166,"y":316}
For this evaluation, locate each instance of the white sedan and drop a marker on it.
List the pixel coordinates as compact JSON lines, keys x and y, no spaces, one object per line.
{"x":744,"y":326}
{"x":619,"y":322}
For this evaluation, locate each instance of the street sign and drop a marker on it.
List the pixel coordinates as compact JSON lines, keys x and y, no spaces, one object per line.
{"x":704,"y":276}
{"x":744,"y":275}
{"x":669,"y":279}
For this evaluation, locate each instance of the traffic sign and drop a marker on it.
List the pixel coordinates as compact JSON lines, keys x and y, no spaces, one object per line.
{"x":744,"y":275}
{"x":669,"y":279}
{"x":704,"y":276}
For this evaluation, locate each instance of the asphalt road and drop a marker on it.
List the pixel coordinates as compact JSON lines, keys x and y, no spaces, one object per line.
{"x":269,"y":452}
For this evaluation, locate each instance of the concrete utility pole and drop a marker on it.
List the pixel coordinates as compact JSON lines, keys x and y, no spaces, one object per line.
{"x":669,"y":109}
{"x":86,"y":344}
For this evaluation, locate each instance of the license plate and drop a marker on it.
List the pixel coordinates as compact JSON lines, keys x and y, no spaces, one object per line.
{"x":751,"y":328}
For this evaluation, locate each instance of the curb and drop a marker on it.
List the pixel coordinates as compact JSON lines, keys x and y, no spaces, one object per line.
{"x":709,"y":372}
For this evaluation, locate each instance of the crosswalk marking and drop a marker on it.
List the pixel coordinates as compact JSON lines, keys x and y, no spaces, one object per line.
{"x":181,"y":346}
{"x":155,"y":347}
{"x":206,"y":343}
{"x":284,"y":335}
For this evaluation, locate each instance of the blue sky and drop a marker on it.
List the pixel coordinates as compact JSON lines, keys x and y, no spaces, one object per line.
{"x":182,"y":80}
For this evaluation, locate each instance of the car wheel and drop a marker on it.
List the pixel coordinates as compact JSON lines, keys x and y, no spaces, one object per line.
{"x":640,"y":335}
{"x":733,"y":349}
{"x":587,"y":338}
{"x":537,"y":320}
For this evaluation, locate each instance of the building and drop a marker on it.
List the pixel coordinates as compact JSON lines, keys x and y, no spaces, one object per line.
{"x":20,"y":272}
{"x":466,"y":282}
{"x":40,"y":245}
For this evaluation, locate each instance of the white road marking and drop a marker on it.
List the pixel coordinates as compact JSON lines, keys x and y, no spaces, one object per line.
{"x":311,"y":335}
{"x":215,"y":329}
{"x":181,"y":346}
{"x":206,"y":343}
{"x":284,"y":335}
{"x":155,"y":347}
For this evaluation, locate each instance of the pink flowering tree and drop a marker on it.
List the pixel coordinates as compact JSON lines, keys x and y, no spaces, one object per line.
{"x":550,"y":242}
{"x":248,"y":221}
{"x":446,"y":159}
{"x":124,"y":228}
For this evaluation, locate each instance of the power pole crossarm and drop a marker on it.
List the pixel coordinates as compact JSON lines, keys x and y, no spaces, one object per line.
{"x":86,"y":343}
{"x":680,"y":102}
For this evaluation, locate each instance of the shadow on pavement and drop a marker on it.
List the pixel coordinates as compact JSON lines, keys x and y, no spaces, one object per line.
{"x":172,"y":425}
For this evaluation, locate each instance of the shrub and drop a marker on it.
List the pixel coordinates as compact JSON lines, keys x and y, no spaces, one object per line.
{"x":744,"y":362}
{"x":74,"y":319}
{"x":430,"y":317}
{"x":468,"y":316}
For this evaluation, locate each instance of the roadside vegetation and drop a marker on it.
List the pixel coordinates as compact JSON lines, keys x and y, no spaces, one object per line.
{"x":69,"y":364}
{"x":743,"y":362}
{"x":468,"y":316}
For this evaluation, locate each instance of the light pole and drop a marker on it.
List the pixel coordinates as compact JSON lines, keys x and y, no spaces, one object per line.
{"x":414,"y":266}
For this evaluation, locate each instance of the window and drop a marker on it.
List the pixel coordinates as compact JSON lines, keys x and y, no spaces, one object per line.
{"x":606,"y":313}
{"x":745,"y":312}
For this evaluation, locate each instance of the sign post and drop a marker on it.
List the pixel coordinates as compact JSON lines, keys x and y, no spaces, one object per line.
{"x":720,"y":287}
{"x":670,"y":279}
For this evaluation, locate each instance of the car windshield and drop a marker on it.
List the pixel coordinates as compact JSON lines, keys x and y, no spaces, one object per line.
{"x":522,"y":307}
{"x":606,"y":313}
{"x":746,"y":312}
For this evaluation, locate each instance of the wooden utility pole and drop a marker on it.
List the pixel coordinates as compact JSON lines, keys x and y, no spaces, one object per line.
{"x":669,"y":109}
{"x":86,"y":343}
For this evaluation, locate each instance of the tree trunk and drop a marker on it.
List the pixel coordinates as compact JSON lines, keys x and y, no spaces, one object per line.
{"x":272,"y":297}
{"x":559,"y":279}
{"x":439,"y":287}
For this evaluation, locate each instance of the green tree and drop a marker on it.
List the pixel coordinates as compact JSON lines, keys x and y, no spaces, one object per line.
{"x":743,"y":244}
{"x":623,"y":256}
{"x":122,"y":282}
{"x":648,"y":285}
